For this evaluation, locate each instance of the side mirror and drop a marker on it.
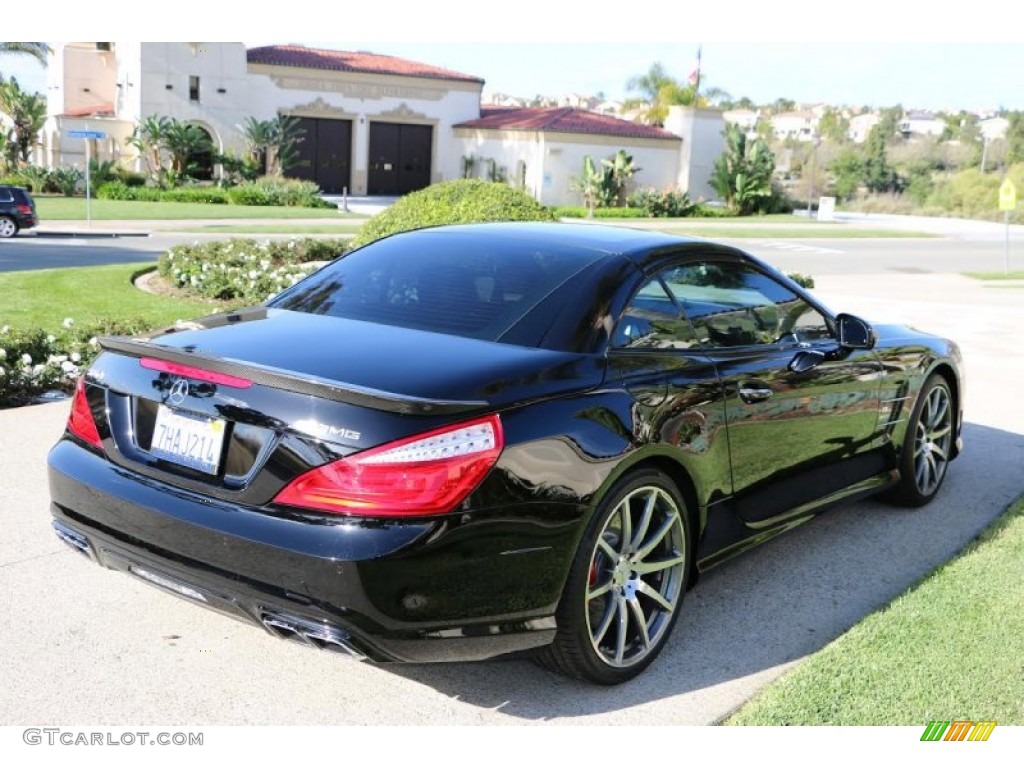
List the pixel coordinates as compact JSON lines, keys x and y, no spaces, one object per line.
{"x":855,"y":333}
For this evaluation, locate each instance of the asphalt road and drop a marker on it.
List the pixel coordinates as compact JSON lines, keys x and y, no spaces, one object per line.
{"x":83,"y":645}
{"x":814,"y":257}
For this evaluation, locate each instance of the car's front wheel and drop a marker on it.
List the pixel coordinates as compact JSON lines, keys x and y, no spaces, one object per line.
{"x":928,"y":445}
{"x":626,"y":584}
{"x":8,"y":227}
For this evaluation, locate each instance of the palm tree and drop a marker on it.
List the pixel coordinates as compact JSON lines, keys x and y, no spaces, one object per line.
{"x":659,"y":91}
{"x":36,"y":50}
{"x":27,"y":112}
{"x":150,"y":138}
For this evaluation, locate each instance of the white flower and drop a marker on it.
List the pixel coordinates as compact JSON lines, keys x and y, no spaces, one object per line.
{"x":68,"y":322}
{"x":3,"y":353}
{"x":94,"y":342}
{"x":5,"y":329}
{"x":38,"y":369}
{"x":50,"y":338}
{"x":2,"y":373}
{"x":26,"y":359}
{"x":68,"y":367}
{"x":75,"y":357}
{"x":253,"y":274}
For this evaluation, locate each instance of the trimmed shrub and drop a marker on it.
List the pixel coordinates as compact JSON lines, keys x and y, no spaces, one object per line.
{"x":801,"y":279}
{"x":670,"y":203}
{"x":249,"y":271}
{"x":463,"y":201}
{"x":37,"y":360}
{"x":274,"y":190}
{"x":579,"y":212}
{"x":211,"y":195}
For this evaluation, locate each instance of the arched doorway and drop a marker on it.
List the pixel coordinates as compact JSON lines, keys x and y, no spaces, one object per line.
{"x":200,"y":161}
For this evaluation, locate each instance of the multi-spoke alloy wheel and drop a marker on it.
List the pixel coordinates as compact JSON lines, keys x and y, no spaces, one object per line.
{"x":8,"y":227}
{"x":928,"y":445}
{"x":627,"y":582}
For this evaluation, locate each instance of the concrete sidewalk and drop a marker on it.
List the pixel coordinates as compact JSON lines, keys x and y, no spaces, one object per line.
{"x":144,"y":227}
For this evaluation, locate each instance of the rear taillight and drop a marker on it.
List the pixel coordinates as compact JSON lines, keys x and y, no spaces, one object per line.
{"x":25,"y":209}
{"x":426,"y":474}
{"x":81,"y":422}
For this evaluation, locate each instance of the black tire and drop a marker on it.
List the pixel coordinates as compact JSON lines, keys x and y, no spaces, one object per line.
{"x":927,"y":446}
{"x":614,"y":620}
{"x":8,"y":227}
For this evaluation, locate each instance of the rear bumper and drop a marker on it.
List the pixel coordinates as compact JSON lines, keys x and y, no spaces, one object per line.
{"x":413,"y":591}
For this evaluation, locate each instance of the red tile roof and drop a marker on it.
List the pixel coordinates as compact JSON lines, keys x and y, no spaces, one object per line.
{"x":106,"y":109}
{"x":562,"y":120}
{"x":350,"y":61}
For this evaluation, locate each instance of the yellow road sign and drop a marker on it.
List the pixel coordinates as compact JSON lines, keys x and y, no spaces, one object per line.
{"x":1007,"y":196}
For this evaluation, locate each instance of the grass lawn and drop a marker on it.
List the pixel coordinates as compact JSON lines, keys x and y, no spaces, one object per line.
{"x":43,"y":298}
{"x":950,"y":648}
{"x":73,"y":209}
{"x":1011,"y":275}
{"x":342,"y":228}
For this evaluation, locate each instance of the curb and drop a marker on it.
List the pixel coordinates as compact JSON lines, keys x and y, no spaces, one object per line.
{"x":88,"y":233}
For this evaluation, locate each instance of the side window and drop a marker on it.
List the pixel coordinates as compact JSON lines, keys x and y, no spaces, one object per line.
{"x":734,"y":305}
{"x":653,"y":321}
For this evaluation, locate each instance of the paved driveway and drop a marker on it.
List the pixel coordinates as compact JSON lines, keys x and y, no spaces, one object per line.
{"x":84,"y":645}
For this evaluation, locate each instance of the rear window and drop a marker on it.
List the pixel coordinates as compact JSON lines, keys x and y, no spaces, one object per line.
{"x":459,"y":284}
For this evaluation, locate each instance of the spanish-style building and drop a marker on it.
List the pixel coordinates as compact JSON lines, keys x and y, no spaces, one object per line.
{"x":374,"y":124}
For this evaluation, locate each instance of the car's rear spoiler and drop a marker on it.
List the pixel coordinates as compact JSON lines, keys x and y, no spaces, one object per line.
{"x":293,"y":382}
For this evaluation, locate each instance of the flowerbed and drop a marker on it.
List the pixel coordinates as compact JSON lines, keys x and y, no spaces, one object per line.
{"x":249,"y":271}
{"x":33,"y":362}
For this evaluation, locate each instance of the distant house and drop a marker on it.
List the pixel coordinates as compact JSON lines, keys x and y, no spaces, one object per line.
{"x":542,"y":148}
{"x":861,"y":125}
{"x":801,"y":125}
{"x":919,"y":123}
{"x":994,"y":128}
{"x":746,"y":119}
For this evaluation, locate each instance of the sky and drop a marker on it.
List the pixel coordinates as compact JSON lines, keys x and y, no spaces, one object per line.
{"x":877,"y":53}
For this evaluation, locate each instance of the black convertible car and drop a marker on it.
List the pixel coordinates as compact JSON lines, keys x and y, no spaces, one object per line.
{"x":468,"y":441}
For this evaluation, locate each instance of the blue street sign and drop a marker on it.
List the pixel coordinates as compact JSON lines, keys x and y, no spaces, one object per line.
{"x":87,"y":134}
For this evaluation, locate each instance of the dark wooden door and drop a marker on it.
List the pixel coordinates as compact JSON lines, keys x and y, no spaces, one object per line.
{"x":399,"y":158}
{"x":324,"y":154}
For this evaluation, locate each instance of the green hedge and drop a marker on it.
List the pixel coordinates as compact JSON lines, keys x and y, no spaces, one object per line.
{"x":245,"y":270}
{"x":265,"y":191}
{"x":579,"y":212}
{"x":463,"y":201}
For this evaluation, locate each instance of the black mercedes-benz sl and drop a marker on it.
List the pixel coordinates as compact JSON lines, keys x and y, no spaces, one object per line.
{"x":469,"y":441}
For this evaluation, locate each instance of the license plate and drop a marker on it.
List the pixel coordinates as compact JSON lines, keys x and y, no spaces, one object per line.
{"x":194,"y":441}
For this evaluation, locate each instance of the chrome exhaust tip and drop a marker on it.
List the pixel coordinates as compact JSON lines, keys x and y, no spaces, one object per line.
{"x":73,"y":539}
{"x":323,"y":637}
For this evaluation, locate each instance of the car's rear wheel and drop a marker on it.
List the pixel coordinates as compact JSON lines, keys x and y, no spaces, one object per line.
{"x":626,"y":584}
{"x":928,"y":445}
{"x":8,"y":227}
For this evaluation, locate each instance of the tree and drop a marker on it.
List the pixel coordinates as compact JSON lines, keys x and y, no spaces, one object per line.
{"x":743,"y":172}
{"x":38,"y":51}
{"x":783,"y":105}
{"x":182,"y":141}
{"x":659,"y":91}
{"x":879,"y":176}
{"x":149,"y":138}
{"x":27,"y":112}
{"x":1015,"y":137}
{"x":833,"y":126}
{"x":273,"y":144}
{"x":848,"y":170}
{"x":622,"y":168}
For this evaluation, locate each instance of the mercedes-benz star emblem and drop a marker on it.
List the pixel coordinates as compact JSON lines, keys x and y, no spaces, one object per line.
{"x":178,"y":392}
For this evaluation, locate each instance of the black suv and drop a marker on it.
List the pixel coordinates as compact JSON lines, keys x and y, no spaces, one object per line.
{"x":17,"y":210}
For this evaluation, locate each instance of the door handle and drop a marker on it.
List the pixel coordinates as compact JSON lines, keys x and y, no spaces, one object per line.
{"x":755,"y":394}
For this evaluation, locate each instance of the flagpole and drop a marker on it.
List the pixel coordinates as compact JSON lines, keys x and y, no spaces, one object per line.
{"x":696,"y":88}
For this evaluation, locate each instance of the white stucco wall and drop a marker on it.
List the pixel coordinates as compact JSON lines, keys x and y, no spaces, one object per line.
{"x":554,"y":160}
{"x":702,"y":131}
{"x":364,"y":99}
